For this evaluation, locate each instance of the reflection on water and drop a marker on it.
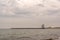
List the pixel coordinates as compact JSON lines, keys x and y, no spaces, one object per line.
{"x":29,"y":34}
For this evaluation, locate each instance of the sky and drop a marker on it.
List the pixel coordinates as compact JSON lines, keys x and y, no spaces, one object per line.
{"x":29,"y":13}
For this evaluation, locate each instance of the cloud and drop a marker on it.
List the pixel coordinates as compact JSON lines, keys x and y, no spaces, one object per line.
{"x":30,"y":12}
{"x":34,"y":7}
{"x":59,"y":0}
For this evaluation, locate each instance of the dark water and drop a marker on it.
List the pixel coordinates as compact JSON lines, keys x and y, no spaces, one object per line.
{"x":29,"y":34}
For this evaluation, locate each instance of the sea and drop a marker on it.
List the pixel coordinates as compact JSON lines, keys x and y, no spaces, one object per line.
{"x":29,"y":34}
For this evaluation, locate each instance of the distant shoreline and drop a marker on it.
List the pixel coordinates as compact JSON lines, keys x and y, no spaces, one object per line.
{"x":35,"y":28}
{"x":26,"y":28}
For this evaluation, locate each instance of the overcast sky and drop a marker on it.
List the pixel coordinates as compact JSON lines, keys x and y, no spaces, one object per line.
{"x":29,"y":13}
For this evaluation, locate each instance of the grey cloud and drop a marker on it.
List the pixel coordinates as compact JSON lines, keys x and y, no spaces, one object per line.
{"x":53,"y":12}
{"x":40,"y":5}
{"x":58,"y":0}
{"x":24,"y":12}
{"x":50,"y":15}
{"x":8,"y":7}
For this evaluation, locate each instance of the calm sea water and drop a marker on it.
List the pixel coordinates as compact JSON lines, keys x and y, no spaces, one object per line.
{"x":29,"y":34}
